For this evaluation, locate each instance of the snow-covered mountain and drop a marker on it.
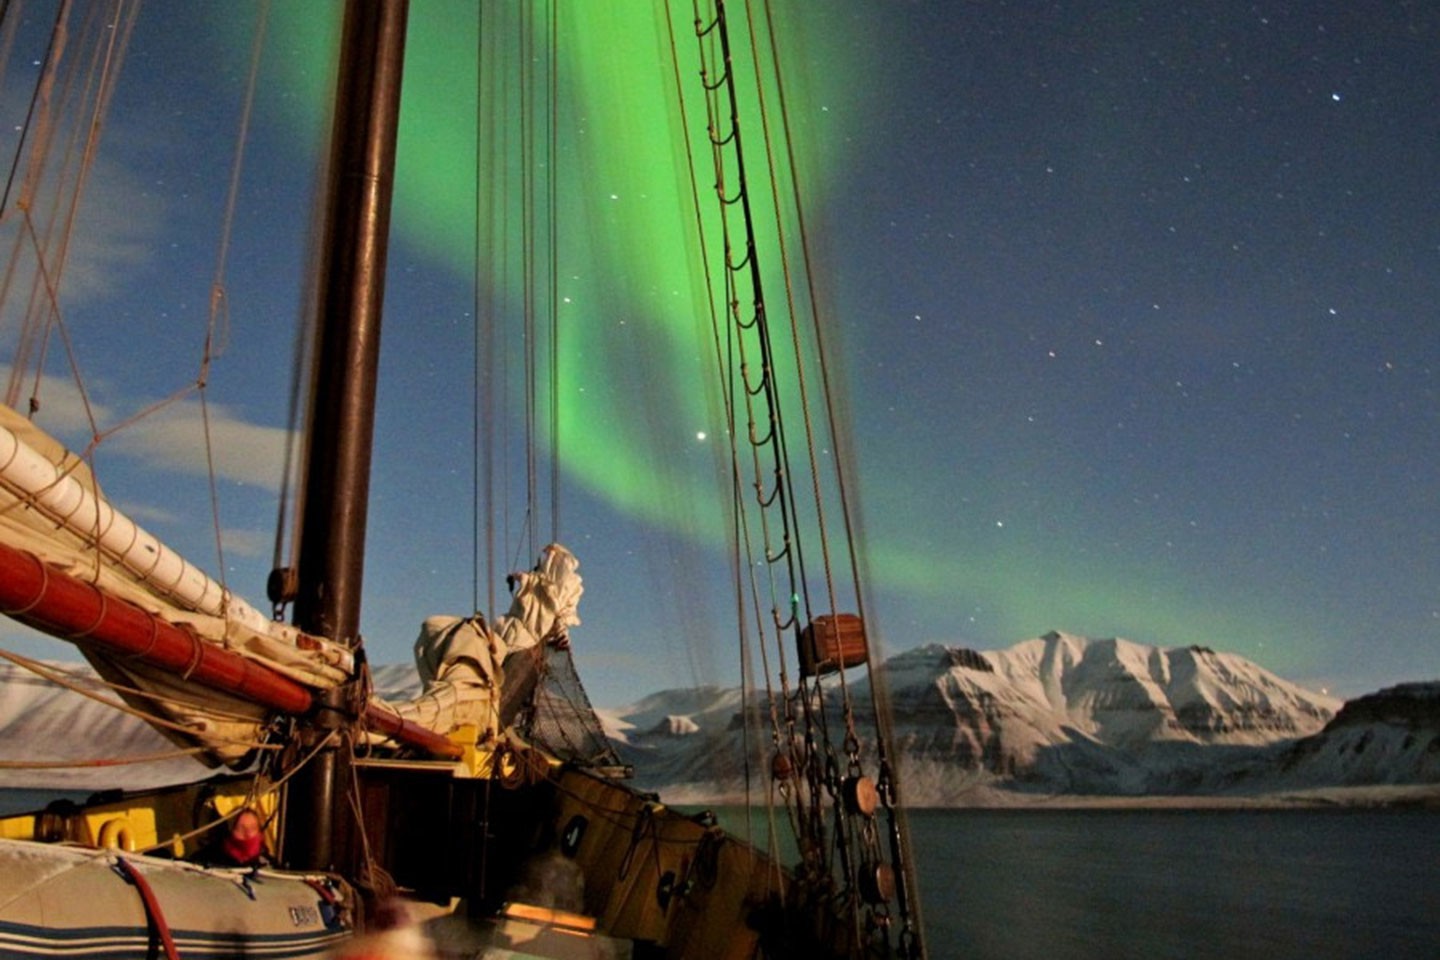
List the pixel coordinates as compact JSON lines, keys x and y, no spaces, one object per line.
{"x":1054,"y":715}
{"x":1061,"y":713}
{"x":1057,"y":714}
{"x":1389,"y":737}
{"x":84,"y":743}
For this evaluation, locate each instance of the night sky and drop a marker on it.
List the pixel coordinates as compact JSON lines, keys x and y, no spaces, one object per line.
{"x":1179,"y":269}
{"x":1137,"y":304}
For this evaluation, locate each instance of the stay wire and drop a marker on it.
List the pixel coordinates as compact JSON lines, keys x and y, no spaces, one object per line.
{"x":715,"y":35}
{"x":527,"y":229}
{"x":553,"y":263}
{"x":801,"y":381}
{"x":45,"y":77}
{"x":791,"y":550}
{"x":907,"y":892}
{"x":845,"y":829}
{"x":111,"y":38}
{"x":218,"y":320}
{"x":481,"y":491}
{"x":738,"y":525}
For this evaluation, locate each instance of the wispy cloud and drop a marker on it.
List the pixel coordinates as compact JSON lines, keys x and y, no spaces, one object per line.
{"x":114,"y":235}
{"x":114,"y":225}
{"x":170,"y":439}
{"x":169,"y":442}
{"x":149,"y":514}
{"x":61,"y":409}
{"x":248,"y":543}
{"x":174,"y":439}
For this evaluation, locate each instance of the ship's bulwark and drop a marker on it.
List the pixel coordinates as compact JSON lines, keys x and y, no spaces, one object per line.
{"x":592,"y":847}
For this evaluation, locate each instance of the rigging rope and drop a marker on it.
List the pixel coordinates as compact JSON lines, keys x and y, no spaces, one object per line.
{"x":909,"y":902}
{"x":753,"y":361}
{"x":552,"y":266}
{"x":218,"y":319}
{"x":101,"y":761}
{"x":77,"y":685}
{"x":740,"y":544}
{"x":254,"y":792}
{"x":488,"y":44}
{"x":527,"y":228}
{"x":42,"y":84}
{"x":107,"y":32}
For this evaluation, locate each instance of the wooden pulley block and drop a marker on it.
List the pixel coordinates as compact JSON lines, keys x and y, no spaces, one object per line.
{"x":861,"y":796}
{"x":283,"y":585}
{"x":518,"y":767}
{"x":510,"y":769}
{"x":877,"y":882}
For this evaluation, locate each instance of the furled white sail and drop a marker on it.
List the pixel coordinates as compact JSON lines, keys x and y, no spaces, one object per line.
{"x":461,"y":661}
{"x":51,"y":506}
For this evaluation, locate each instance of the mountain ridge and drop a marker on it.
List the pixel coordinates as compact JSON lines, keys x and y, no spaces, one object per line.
{"x":1054,"y":716}
{"x":1065,"y":715}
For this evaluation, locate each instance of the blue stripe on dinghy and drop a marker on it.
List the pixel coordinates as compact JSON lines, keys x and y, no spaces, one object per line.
{"x":19,"y":940}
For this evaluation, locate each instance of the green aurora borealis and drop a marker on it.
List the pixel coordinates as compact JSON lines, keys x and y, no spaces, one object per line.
{"x":635,"y":338}
{"x":980,"y":530}
{"x":634,"y":324}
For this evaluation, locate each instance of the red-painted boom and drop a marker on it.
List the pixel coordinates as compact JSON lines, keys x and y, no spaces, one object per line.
{"x":54,"y":602}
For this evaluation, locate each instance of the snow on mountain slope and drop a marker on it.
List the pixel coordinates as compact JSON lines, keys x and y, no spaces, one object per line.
{"x":40,"y":721}
{"x":689,"y":737}
{"x":1388,"y":737}
{"x":1059,"y":688}
{"x":1005,"y":711}
{"x":396,"y":681}
{"x":1057,"y":714}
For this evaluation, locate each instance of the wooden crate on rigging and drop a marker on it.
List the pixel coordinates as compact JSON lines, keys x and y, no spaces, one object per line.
{"x":832,"y":642}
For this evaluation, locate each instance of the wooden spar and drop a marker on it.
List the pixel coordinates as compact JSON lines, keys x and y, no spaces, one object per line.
{"x":71,"y":502}
{"x":352,"y":290}
{"x":330,"y":565}
{"x":380,"y":720}
{"x":44,"y":597}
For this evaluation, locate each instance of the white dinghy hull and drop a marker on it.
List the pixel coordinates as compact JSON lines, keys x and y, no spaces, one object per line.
{"x":61,"y":901}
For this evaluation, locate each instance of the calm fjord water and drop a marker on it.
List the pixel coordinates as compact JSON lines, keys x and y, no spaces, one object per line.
{"x":1277,"y":885}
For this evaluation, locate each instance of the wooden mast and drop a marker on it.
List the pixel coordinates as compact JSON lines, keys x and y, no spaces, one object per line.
{"x":330,"y":567}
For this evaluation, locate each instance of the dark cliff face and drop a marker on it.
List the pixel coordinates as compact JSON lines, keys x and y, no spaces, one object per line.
{"x":1388,"y":737}
{"x":961,"y":726}
{"x":1412,"y":705}
{"x":1205,"y":719}
{"x":967,"y":658}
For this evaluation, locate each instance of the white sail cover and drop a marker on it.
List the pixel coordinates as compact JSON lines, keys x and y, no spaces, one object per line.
{"x":461,"y":660}
{"x":52,"y":507}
